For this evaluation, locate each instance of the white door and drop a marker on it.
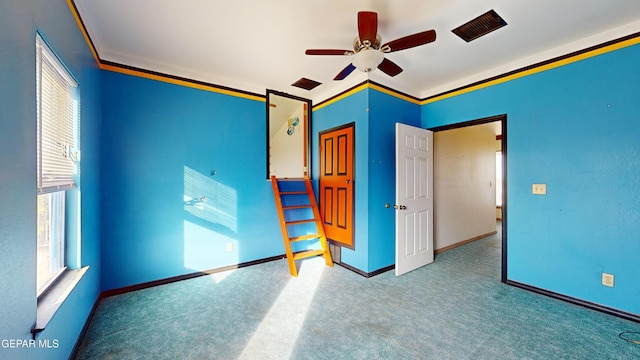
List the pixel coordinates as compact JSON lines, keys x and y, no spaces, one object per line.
{"x":414,"y":198}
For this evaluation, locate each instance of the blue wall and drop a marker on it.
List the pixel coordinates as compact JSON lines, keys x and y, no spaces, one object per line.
{"x":19,"y":21}
{"x":375,"y":114}
{"x":577,"y":129}
{"x":160,"y":144}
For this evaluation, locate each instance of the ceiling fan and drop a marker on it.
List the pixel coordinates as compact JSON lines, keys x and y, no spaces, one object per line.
{"x":368,"y":50}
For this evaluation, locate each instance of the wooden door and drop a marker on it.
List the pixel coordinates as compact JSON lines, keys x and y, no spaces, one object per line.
{"x":414,"y":198}
{"x":336,"y":184}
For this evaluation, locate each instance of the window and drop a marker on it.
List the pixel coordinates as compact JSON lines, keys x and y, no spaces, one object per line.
{"x":58,"y":166}
{"x":50,"y":238}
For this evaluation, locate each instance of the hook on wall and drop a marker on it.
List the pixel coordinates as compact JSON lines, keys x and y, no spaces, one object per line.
{"x":196,"y":201}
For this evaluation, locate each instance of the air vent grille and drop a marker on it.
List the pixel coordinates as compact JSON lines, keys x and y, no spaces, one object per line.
{"x":480,"y":26}
{"x":306,"y":84}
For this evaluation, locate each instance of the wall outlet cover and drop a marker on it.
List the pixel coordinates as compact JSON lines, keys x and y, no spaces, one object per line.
{"x":539,"y":189}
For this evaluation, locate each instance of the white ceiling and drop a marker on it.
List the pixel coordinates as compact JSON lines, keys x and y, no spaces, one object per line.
{"x":254,"y":45}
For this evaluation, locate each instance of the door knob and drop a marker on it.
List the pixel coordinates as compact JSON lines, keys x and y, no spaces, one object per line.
{"x":348,"y":181}
{"x":400,"y":207}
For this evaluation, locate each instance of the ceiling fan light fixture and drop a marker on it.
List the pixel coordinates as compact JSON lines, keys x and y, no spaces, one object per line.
{"x":367,"y":59}
{"x":368,"y":50}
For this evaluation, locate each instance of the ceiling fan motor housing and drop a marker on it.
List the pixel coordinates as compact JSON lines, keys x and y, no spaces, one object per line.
{"x":366,"y":44}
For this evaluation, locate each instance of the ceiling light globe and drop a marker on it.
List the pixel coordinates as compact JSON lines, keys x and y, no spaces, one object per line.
{"x":367,"y":59}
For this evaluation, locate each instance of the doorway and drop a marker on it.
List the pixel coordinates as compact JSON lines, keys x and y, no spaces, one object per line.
{"x":468,"y":177}
{"x":288,"y":135}
{"x":336,"y":184}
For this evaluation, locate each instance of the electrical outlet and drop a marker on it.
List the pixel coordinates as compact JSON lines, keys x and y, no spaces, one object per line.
{"x":607,"y":279}
{"x":539,"y":189}
{"x":229,"y":247}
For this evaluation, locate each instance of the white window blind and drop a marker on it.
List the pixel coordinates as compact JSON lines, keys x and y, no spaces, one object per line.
{"x":58,"y":122}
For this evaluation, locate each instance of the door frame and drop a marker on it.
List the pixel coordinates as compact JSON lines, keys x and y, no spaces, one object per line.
{"x":503,"y":124}
{"x":353,"y":180}
{"x":306,"y":125}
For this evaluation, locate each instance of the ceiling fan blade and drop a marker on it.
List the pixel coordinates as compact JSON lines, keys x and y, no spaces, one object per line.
{"x":345,"y":72}
{"x":328,"y":52}
{"x":389,"y":67}
{"x":367,"y":26}
{"x":410,"y":41}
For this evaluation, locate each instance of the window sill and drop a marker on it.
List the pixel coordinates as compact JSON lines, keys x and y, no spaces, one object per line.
{"x":51,"y":301}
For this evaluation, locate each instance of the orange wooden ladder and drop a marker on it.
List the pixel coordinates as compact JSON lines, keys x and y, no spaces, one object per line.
{"x":285,"y":224}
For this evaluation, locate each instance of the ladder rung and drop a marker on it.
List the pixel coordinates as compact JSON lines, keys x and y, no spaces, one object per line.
{"x":308,"y":253}
{"x":296,"y":222}
{"x":296,"y":207}
{"x":293,"y":193}
{"x":304,"y":237}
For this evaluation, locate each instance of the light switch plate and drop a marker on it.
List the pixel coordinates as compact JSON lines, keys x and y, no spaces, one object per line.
{"x":539,"y":189}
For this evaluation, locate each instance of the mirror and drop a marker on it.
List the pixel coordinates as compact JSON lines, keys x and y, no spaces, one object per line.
{"x":288,"y":135}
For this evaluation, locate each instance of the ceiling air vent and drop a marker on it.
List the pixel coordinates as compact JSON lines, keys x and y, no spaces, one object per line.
{"x":480,"y":26}
{"x":306,"y":84}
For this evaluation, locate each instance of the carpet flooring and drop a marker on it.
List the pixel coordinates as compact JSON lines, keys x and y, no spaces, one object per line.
{"x":455,"y":308}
